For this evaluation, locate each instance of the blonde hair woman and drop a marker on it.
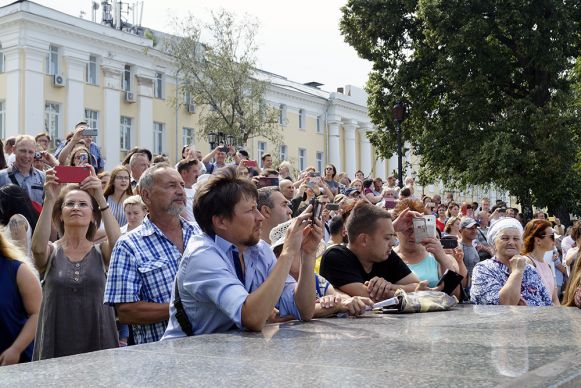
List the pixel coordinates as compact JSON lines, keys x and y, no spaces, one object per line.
{"x":20,"y":304}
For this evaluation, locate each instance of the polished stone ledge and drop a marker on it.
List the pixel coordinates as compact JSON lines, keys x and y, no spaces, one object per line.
{"x":470,"y":346}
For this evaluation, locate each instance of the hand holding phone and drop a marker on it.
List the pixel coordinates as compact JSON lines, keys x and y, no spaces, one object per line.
{"x":72,"y":174}
{"x":424,"y":227}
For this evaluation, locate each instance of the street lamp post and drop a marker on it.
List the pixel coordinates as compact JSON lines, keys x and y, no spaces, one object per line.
{"x":399,"y":116}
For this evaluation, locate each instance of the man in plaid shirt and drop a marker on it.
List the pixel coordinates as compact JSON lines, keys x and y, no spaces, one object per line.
{"x":144,"y":262}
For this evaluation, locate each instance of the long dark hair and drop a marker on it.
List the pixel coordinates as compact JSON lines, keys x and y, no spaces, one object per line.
{"x":3,"y":164}
{"x":15,"y":200}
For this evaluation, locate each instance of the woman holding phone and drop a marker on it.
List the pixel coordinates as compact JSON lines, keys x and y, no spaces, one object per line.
{"x":426,"y":258}
{"x":73,"y":318}
{"x":117,"y":190}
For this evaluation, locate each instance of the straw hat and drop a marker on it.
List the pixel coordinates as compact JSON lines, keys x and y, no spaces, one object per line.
{"x":278,"y":233}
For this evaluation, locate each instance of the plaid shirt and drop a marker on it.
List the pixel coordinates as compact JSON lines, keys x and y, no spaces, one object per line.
{"x":143,"y":266}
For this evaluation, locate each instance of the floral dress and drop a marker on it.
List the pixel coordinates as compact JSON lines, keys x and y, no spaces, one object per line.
{"x":489,"y":276}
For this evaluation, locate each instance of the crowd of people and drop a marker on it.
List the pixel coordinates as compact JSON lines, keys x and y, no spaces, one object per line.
{"x":152,"y":251}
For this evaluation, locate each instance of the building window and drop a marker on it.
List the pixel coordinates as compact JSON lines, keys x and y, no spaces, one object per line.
{"x":158,"y":130}
{"x":92,"y":70}
{"x":283,"y":152}
{"x":282,"y":114}
{"x":52,"y":60}
{"x":92,"y":118}
{"x":2,"y":120}
{"x":302,"y":119}
{"x":319,"y":162}
{"x":52,"y":121}
{"x":126,"y":83}
{"x":126,"y":133}
{"x":189,"y":136}
{"x":2,"y":59}
{"x":261,"y":151}
{"x":302,"y":159}
{"x":319,"y":124}
{"x":158,"y":85}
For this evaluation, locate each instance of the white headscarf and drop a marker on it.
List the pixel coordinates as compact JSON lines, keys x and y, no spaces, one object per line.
{"x":502,"y":224}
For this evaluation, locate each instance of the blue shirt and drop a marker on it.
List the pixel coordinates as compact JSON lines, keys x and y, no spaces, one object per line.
{"x":97,"y":160}
{"x":489,"y":276}
{"x":143,"y":266}
{"x":33,"y":183}
{"x":210,"y":291}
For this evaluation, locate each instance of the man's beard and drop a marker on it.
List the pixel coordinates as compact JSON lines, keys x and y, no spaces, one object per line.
{"x":174,"y":209}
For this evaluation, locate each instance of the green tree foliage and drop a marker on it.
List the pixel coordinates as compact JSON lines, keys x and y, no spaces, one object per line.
{"x":220,"y":77}
{"x":488,"y":84}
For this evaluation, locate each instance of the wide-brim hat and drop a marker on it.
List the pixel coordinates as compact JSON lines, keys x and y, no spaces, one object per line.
{"x":278,"y":234}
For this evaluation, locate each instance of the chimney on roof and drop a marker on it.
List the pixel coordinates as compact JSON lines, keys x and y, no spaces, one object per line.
{"x":340,"y":90}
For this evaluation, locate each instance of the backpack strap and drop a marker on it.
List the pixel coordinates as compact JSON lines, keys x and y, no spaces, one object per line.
{"x":181,"y":315}
{"x":12,"y":177}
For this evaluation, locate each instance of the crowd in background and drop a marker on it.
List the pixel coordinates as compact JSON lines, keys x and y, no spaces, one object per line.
{"x":151,"y":251}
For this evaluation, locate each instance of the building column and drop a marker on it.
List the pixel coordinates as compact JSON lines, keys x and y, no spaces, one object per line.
{"x":111,"y":115}
{"x":365,"y":150}
{"x":334,"y":142}
{"x":350,"y":149}
{"x":33,"y":90}
{"x":12,"y":102}
{"x":145,"y":112}
{"x":380,"y":168}
{"x":76,"y":64}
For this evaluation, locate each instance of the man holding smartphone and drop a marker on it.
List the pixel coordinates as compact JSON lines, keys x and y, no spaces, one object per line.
{"x":80,"y":135}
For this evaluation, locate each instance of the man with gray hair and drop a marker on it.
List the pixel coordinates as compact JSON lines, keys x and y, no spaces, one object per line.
{"x":138,"y":163}
{"x":275,"y":209}
{"x":144,"y":262}
{"x":22,"y":173}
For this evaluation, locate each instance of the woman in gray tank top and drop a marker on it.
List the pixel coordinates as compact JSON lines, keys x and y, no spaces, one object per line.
{"x":73,"y":318}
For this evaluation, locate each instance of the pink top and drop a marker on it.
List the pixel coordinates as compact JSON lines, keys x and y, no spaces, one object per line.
{"x":546,"y":274}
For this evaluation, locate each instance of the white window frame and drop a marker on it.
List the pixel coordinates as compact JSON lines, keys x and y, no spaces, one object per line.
{"x":2,"y":60}
{"x":158,"y":135}
{"x":283,"y":152}
{"x":92,"y":118}
{"x":319,"y":159}
{"x":52,"y":60}
{"x":302,"y":119}
{"x":319,"y":124}
{"x":282,"y":114}
{"x":2,"y":119}
{"x":158,"y":85}
{"x":302,"y":159}
{"x":91,"y":70}
{"x":188,"y":136}
{"x":52,"y":120}
{"x":261,"y":149}
{"x":126,"y":124}
{"x":126,"y":78}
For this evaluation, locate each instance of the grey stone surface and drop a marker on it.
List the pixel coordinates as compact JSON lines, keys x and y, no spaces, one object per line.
{"x":470,"y":346}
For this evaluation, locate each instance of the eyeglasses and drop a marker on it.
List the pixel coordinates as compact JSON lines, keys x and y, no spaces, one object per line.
{"x":552,"y":235}
{"x":121,"y":178}
{"x":79,"y":205}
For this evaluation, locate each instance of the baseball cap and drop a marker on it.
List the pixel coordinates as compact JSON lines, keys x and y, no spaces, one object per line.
{"x":467,"y":223}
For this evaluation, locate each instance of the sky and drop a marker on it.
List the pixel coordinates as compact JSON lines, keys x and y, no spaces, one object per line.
{"x":298,"y":39}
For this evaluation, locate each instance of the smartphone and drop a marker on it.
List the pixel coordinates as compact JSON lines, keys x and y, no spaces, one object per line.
{"x":314,"y":174}
{"x":389,"y":203}
{"x":251,"y":163}
{"x":424,"y":227}
{"x":265,"y":182}
{"x":449,"y":242}
{"x":332,"y":206}
{"x":451,"y":280}
{"x":90,"y":132}
{"x":317,"y":209}
{"x":72,"y":174}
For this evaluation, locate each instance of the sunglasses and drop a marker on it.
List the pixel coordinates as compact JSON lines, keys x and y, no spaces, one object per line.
{"x":552,"y":235}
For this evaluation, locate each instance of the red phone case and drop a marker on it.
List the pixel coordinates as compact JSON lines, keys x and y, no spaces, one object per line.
{"x":72,"y":174}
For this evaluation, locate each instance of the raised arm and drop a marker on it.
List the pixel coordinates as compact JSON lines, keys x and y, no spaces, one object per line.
{"x":41,"y":249}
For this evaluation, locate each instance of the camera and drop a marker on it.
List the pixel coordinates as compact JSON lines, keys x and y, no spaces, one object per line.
{"x":37,"y":155}
{"x":317,"y":209}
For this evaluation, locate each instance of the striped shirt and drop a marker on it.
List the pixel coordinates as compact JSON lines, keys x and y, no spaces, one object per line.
{"x":117,"y":210}
{"x":143,"y":266}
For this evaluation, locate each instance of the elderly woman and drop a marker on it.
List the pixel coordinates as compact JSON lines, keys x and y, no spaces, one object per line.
{"x":539,"y":238}
{"x":73,"y":318}
{"x":426,"y":258}
{"x":506,"y":278}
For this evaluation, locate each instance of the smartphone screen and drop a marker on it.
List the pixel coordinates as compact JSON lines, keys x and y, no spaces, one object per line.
{"x":250,"y":163}
{"x":451,"y":280}
{"x":72,"y":174}
{"x":265,"y":182}
{"x":90,"y":132}
{"x":424,"y":227}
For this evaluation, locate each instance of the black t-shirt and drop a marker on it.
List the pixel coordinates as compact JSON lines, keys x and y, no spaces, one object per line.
{"x":340,"y":266}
